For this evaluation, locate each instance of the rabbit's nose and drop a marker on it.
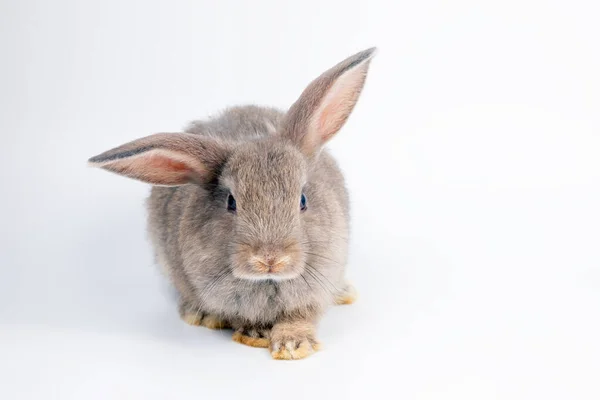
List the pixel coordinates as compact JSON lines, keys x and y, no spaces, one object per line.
{"x":270,"y":263}
{"x":277,"y":264}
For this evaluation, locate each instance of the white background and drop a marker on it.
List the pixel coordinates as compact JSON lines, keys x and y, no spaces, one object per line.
{"x":472,"y":158}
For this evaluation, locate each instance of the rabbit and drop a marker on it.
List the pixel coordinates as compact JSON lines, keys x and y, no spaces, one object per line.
{"x":248,"y":214}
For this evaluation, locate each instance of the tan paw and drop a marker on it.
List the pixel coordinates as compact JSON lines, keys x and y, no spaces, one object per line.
{"x":293,"y":348}
{"x":213,"y":322}
{"x":207,"y":320}
{"x":252,"y":337}
{"x":192,"y":319}
{"x":347,"y":295}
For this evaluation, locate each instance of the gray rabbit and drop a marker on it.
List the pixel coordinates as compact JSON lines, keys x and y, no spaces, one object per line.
{"x":248,"y":214}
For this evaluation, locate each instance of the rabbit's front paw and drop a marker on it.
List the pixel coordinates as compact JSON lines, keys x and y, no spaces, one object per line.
{"x":207,"y":320}
{"x":252,"y":336}
{"x":290,"y":343}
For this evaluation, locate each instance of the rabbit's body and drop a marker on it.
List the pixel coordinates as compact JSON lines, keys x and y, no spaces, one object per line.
{"x":249,"y":214}
{"x":193,"y":244}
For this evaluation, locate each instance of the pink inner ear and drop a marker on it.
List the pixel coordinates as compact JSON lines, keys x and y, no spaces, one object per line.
{"x":164,"y":170}
{"x":338,"y":104}
{"x":157,"y":167}
{"x":333,"y":116}
{"x":168,"y":165}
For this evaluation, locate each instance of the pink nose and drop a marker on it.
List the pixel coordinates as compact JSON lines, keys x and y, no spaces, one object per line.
{"x":270,"y":261}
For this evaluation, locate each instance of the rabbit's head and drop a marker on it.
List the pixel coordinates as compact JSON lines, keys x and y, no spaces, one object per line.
{"x":259,"y":188}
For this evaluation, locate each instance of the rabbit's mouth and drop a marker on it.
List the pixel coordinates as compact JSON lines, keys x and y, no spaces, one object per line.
{"x":258,"y":270}
{"x":281,"y":276}
{"x":268,"y":262}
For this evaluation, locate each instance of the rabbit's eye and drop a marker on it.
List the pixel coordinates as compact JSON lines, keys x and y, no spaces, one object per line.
{"x":302,"y":202}
{"x":231,"y":203}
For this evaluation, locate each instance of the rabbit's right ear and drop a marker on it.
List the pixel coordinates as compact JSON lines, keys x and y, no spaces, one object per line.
{"x":166,"y":159}
{"x":326,"y":103}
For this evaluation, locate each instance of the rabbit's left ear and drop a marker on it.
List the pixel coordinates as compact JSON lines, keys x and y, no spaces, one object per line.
{"x":165,"y":159}
{"x":326,"y":103}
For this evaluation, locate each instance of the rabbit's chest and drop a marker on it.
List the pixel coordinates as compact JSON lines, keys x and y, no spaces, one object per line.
{"x":257,"y":301}
{"x":261,"y":301}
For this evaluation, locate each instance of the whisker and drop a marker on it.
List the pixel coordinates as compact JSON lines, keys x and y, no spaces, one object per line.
{"x":307,"y":284}
{"x":214,"y":283}
{"x":316,"y":279}
{"x":322,"y":241}
{"x":335,"y":289}
{"x":325,"y":258}
{"x":311,"y":271}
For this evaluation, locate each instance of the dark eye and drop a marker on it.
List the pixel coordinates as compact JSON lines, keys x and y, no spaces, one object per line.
{"x":231,"y":203}
{"x":302,"y":202}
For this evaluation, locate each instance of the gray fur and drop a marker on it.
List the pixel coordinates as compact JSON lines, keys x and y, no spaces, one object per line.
{"x":193,"y":231}
{"x":266,"y":159}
